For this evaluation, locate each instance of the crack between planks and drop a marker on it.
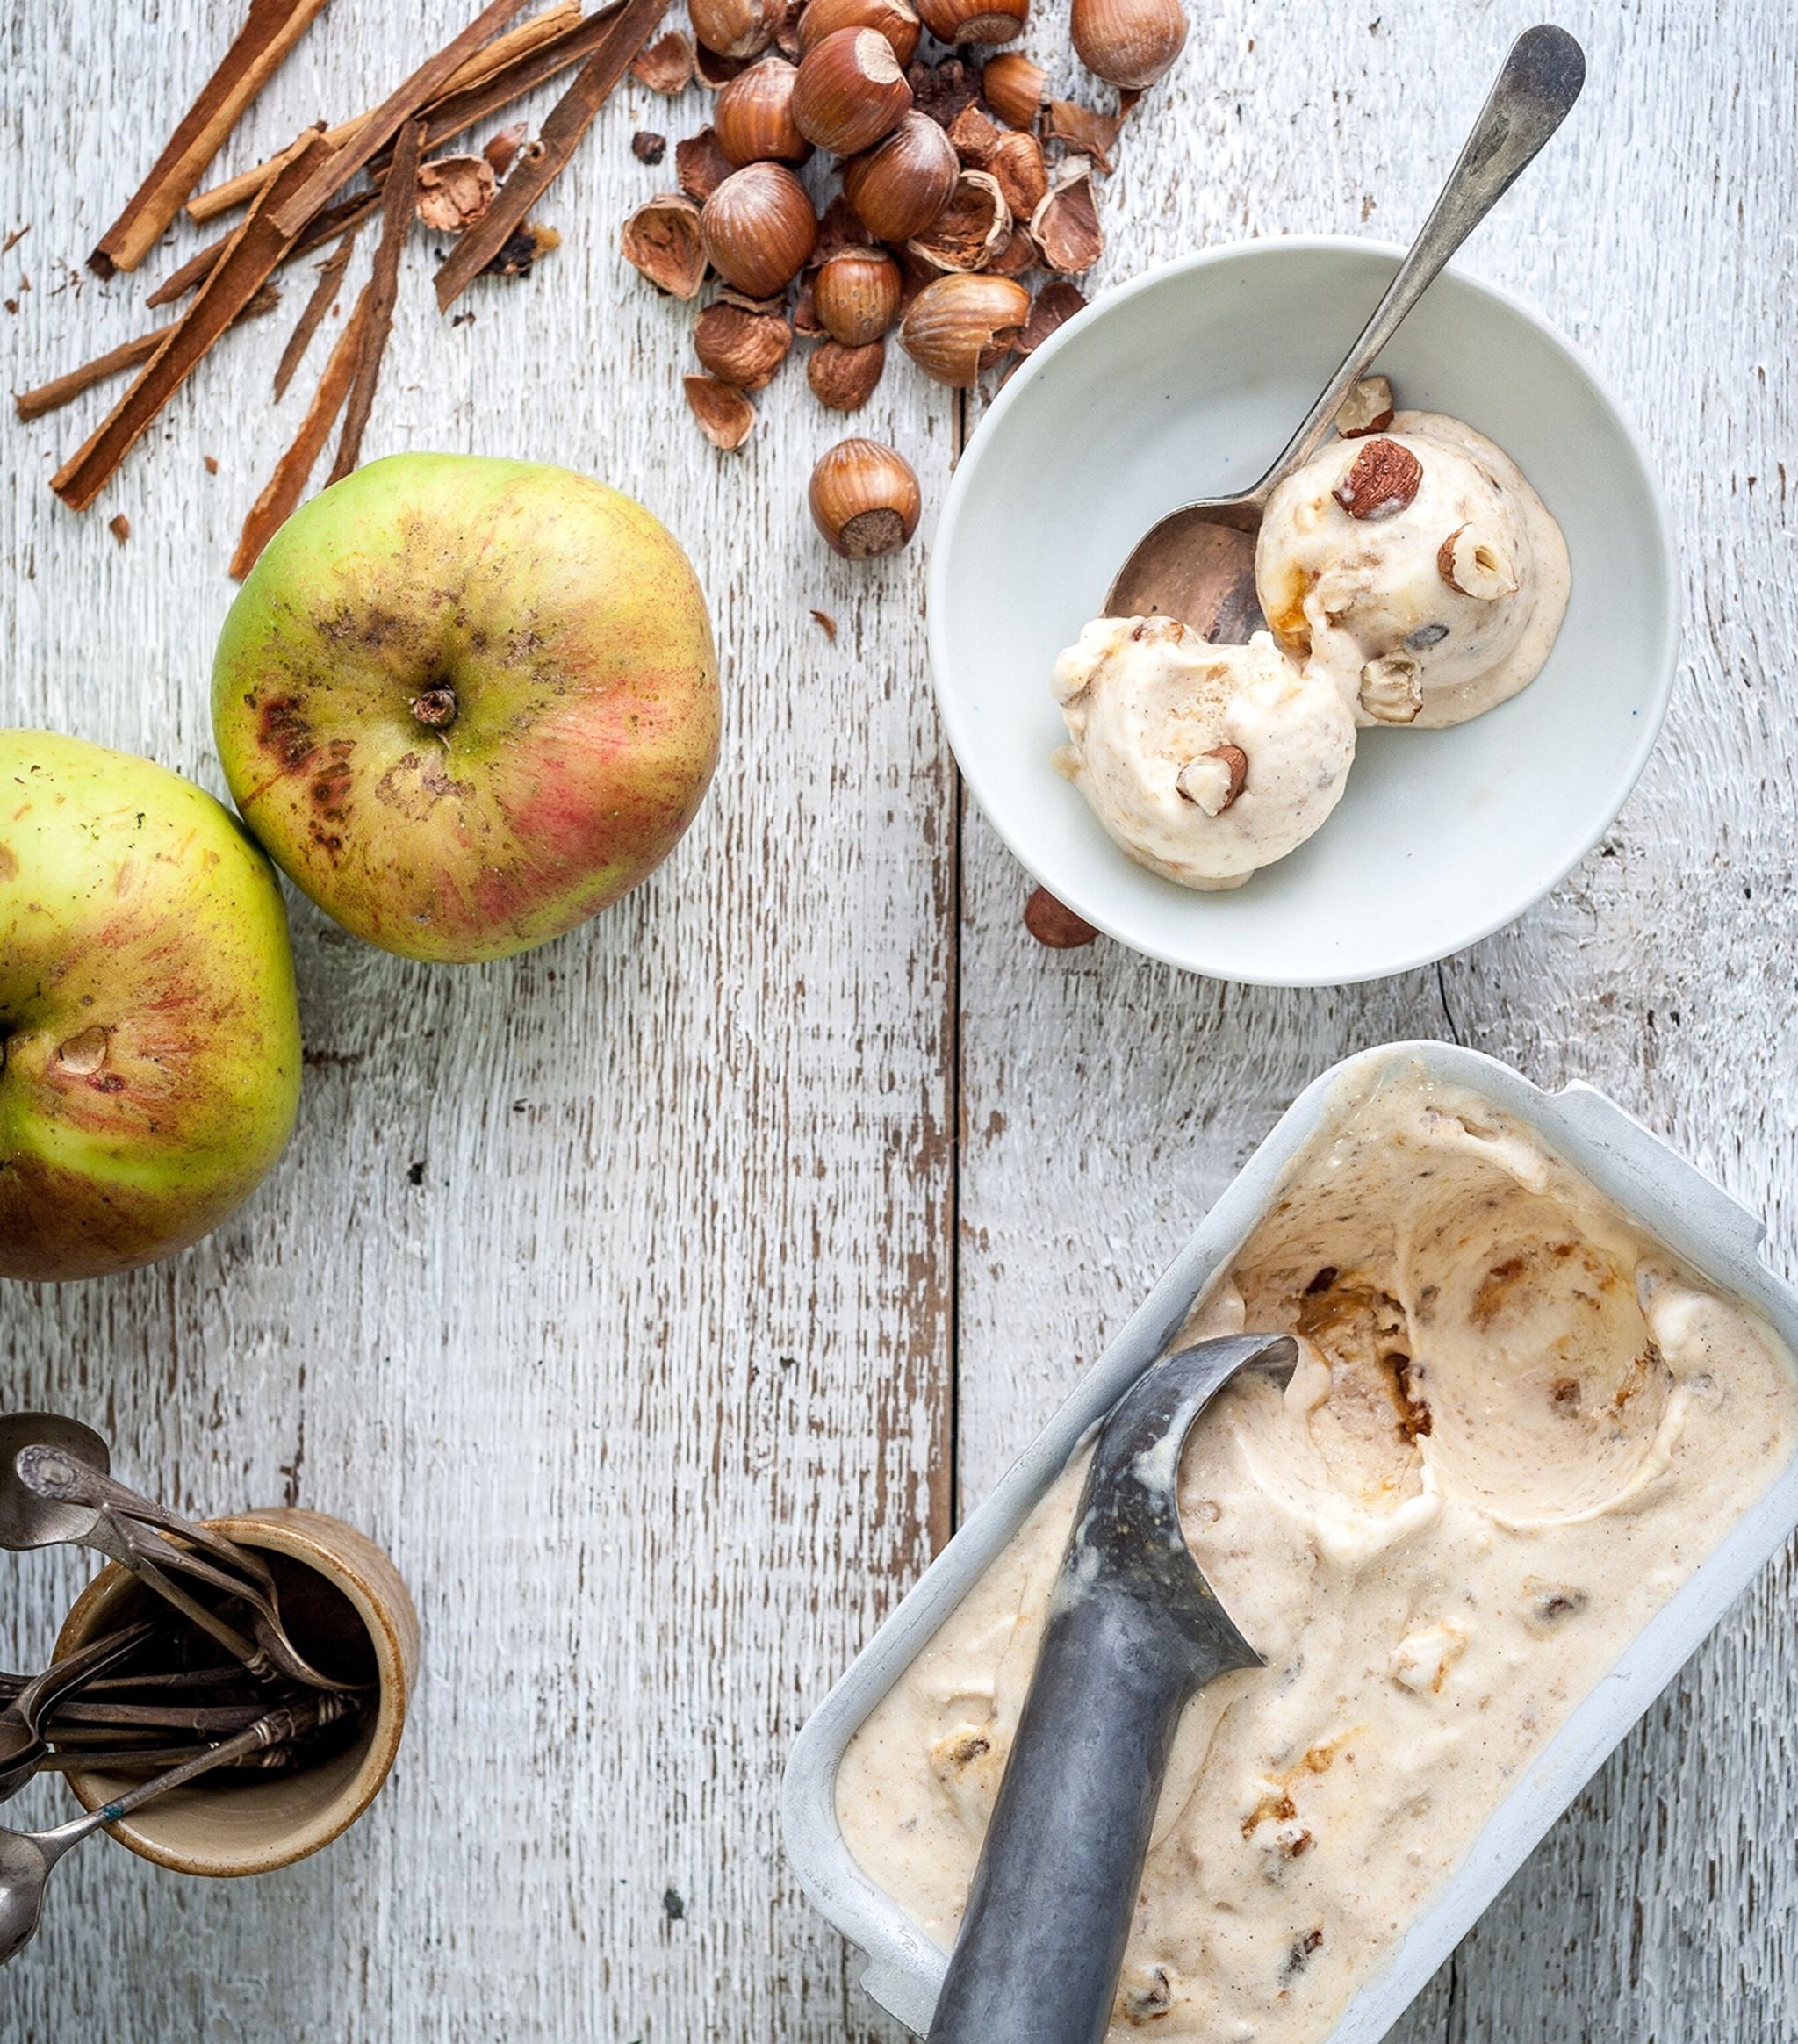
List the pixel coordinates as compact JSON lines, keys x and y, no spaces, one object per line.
{"x":958,"y":443}
{"x":1448,"y":1007}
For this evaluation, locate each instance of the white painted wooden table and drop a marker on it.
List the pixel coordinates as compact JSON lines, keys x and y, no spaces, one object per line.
{"x":661,"y":1298}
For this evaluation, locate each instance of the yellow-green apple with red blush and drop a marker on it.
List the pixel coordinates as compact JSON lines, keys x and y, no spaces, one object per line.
{"x":467,"y":703}
{"x":148,"y":1019}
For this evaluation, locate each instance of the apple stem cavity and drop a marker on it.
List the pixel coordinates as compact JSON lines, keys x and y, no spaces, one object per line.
{"x":436,"y":708}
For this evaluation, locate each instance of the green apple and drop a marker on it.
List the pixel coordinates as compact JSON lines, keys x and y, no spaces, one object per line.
{"x":147,"y":1019}
{"x":467,"y":703}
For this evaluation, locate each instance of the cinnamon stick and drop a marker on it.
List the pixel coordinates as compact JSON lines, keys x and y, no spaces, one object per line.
{"x":270,"y":30}
{"x":625,"y":34}
{"x":518,"y":42}
{"x":292,"y":213}
{"x":397,"y":200}
{"x":281,"y":494}
{"x":255,"y":249}
{"x":63,"y":389}
{"x":324,"y":292}
{"x":347,"y":213}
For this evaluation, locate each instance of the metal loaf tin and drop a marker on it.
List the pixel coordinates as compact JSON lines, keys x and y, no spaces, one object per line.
{"x":1660,"y":1191}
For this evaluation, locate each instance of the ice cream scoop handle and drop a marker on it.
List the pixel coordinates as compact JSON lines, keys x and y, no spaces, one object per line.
{"x":1530,"y":99}
{"x":1049,"y":1913}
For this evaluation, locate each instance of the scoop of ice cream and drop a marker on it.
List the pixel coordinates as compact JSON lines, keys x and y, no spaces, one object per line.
{"x":1418,"y":567}
{"x":1204,"y":762}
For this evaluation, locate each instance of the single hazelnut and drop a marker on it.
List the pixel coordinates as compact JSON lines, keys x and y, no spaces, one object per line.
{"x":1380,"y":482}
{"x":899,"y":187}
{"x":856,"y":295}
{"x":1012,"y":86}
{"x":844,"y":379}
{"x":1054,"y":925}
{"x":1476,"y":565}
{"x":758,"y":229}
{"x":865,"y":499}
{"x":974,"y":21}
{"x":662,"y":239}
{"x":1214,"y":779}
{"x":893,"y":19}
{"x":1130,"y":43}
{"x":753,"y":119}
{"x":1391,"y":691}
{"x":962,"y":324}
{"x":740,"y":347}
{"x":736,"y":28}
{"x":851,"y":92}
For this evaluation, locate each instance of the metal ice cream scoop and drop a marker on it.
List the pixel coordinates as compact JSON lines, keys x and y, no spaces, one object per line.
{"x":1133,"y":1631}
{"x":1197,"y":563}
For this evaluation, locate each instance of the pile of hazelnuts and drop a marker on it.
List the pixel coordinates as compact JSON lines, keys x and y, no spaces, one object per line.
{"x":958,"y":182}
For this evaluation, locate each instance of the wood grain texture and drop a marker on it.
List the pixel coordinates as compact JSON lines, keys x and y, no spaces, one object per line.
{"x":645,"y":1379}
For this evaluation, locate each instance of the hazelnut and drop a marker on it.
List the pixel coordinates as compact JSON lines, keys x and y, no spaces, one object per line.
{"x":974,"y":21}
{"x":1130,"y":43}
{"x":844,"y":379}
{"x":852,"y":91}
{"x":662,"y":239}
{"x":758,"y":228}
{"x":893,"y":19}
{"x":736,"y":28}
{"x":1380,"y":482}
{"x":1012,"y":86}
{"x":1367,"y":408}
{"x":898,"y":189}
{"x":725,"y":416}
{"x":1214,"y":779}
{"x":865,"y":499}
{"x":740,"y":347}
{"x":753,"y":119}
{"x":1391,"y":692}
{"x":1475,"y":565}
{"x":962,"y":324}
{"x":970,"y":230}
{"x":856,"y":295}
{"x":1054,"y":924}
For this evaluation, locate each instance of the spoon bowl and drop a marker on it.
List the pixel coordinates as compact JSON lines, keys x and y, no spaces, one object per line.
{"x":27,"y":1521}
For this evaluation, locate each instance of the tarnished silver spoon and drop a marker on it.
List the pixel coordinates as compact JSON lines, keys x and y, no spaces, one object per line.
{"x":28,"y":1859}
{"x":22,"y":1743}
{"x":1197,"y":563}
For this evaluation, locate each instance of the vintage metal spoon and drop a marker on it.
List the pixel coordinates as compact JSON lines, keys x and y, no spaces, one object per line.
{"x":27,"y":1858}
{"x":1197,"y":563}
{"x":1133,"y":1630}
{"x":22,"y":1744}
{"x":54,"y":1488}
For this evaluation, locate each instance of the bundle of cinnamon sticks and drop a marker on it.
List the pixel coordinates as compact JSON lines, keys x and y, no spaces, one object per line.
{"x":320,"y":190}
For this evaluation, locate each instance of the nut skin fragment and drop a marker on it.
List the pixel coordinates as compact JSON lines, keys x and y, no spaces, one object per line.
{"x":662,"y":240}
{"x":667,"y":65}
{"x":844,"y":379}
{"x":453,"y":193}
{"x":1066,"y":226}
{"x":648,"y":147}
{"x":970,"y":230}
{"x":725,"y":416}
{"x":1016,"y":163}
{"x":741,"y":348}
{"x":1382,"y":481}
{"x":1367,"y":408}
{"x":1056,"y":303}
{"x":1475,"y":565}
{"x":1054,"y":925}
{"x":1086,"y":132}
{"x":701,"y":166}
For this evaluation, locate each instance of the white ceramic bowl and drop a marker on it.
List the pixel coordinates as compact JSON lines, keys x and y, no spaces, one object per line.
{"x":1187,"y":383}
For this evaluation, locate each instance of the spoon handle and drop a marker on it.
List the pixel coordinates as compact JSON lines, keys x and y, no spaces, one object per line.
{"x":1530,"y":99}
{"x":277,"y":1727}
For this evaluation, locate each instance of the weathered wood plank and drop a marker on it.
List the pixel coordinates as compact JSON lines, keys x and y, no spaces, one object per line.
{"x":646,"y":1377}
{"x":1107,"y":1100}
